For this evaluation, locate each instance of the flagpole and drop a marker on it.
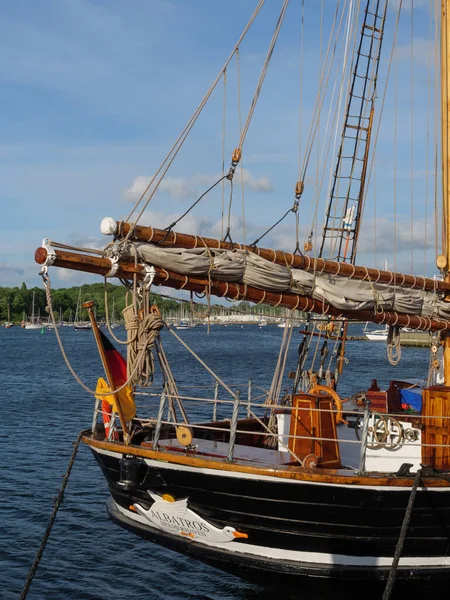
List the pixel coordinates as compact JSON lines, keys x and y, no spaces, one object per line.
{"x":88,"y":306}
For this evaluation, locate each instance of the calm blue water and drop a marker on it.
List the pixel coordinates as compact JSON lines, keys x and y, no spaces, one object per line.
{"x":43,"y":409}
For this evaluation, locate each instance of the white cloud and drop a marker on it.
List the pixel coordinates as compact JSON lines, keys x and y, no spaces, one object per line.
{"x":261,"y":184}
{"x":8,"y":269}
{"x":422,"y":51}
{"x":180,"y":188}
{"x":407,"y":5}
{"x":191,"y":224}
{"x":81,"y":241}
{"x":386,"y":241}
{"x":72,"y":278}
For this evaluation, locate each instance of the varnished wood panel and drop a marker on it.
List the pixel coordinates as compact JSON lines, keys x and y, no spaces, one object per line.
{"x":436,"y":432}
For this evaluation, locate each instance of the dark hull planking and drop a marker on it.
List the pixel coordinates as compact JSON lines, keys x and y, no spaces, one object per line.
{"x":321,"y":581}
{"x":332,"y":531}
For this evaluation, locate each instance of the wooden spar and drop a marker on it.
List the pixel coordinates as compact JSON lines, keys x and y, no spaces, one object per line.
{"x":234,"y":291}
{"x":88,"y":306}
{"x":174,"y":239}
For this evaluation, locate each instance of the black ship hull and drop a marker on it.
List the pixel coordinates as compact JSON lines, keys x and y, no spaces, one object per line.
{"x":323,"y":581}
{"x":296,"y":529}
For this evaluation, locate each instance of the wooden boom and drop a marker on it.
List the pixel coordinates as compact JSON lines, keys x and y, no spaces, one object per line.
{"x":232,"y":291}
{"x":174,"y":239}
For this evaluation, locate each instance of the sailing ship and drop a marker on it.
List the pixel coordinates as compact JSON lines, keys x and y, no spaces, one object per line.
{"x":263,"y":490}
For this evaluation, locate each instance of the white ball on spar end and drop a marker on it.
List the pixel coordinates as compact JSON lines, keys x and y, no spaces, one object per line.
{"x":108,"y":226}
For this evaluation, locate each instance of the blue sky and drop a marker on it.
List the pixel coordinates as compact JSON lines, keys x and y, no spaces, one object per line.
{"x":94,"y":92}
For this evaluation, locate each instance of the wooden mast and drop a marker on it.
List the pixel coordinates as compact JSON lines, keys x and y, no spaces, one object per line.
{"x":443,"y":261}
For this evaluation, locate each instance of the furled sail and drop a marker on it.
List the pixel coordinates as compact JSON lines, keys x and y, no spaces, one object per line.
{"x":237,"y":272}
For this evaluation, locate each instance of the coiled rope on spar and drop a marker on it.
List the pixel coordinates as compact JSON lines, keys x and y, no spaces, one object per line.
{"x":57,"y":503}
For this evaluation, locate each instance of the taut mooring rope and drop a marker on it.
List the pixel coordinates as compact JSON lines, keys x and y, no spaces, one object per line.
{"x":401,"y":538}
{"x":57,"y":502}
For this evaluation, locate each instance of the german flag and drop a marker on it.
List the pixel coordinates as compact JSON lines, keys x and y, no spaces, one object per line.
{"x":117,"y":366}
{"x":116,"y":362}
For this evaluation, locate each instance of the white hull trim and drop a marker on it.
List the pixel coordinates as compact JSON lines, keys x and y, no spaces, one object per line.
{"x":312,"y":558}
{"x":161,"y":464}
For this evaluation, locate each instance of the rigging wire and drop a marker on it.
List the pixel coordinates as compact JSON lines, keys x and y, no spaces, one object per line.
{"x":349,"y":43}
{"x":365,"y":98}
{"x":168,"y":160}
{"x":395,"y":148}
{"x":300,"y":121}
{"x":412,"y":135}
{"x":317,"y":176}
{"x":427,"y":143}
{"x":389,"y":68}
{"x":321,"y":91}
{"x":224,"y":120}
{"x":336,"y":119}
{"x":240,"y":134}
{"x":436,"y":136}
{"x":172,"y":225}
{"x":263,"y":73}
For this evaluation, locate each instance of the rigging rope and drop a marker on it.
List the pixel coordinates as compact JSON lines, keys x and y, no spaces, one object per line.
{"x":375,"y":139}
{"x":263,"y":73}
{"x":108,"y":324}
{"x":172,"y":225}
{"x":139,"y":360}
{"x":224,"y":120}
{"x":412,"y":182}
{"x":57,"y":502}
{"x":240,"y":134}
{"x":275,"y":388}
{"x":321,"y":92}
{"x":394,"y":348}
{"x":183,"y":135}
{"x":401,"y":539}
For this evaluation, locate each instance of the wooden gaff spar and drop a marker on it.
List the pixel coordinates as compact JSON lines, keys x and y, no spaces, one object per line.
{"x":172,"y":239}
{"x":232,"y":291}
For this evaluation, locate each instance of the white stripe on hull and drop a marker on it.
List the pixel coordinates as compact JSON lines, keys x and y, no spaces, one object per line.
{"x":161,"y":464}
{"x":311,"y":558}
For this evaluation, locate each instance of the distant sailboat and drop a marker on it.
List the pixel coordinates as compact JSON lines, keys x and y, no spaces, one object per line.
{"x":80,"y":325}
{"x":377,"y":335}
{"x":9,"y":323}
{"x":33,"y":322}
